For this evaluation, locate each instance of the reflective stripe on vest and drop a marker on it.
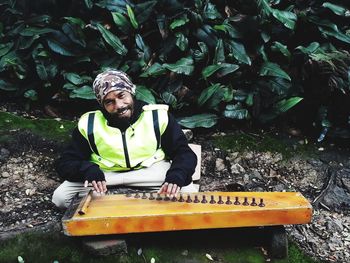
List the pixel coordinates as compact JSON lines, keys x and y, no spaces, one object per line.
{"x":114,"y":150}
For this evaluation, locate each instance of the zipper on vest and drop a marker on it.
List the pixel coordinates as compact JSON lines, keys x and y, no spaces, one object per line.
{"x":126,"y":154}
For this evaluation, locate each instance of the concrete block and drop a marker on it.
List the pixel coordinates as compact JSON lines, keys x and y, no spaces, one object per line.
{"x":105,"y":245}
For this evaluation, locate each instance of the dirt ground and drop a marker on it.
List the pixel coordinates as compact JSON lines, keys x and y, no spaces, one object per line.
{"x":27,"y":180}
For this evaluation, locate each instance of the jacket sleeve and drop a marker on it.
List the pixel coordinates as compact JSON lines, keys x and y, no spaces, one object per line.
{"x":184,"y":160}
{"x":74,"y":165}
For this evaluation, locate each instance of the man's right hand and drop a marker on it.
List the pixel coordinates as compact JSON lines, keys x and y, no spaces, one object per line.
{"x":99,"y":186}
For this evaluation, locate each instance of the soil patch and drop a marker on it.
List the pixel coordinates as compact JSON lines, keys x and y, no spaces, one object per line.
{"x":27,"y":180}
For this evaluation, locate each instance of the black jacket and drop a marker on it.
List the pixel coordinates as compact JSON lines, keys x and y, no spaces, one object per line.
{"x":74,"y":164}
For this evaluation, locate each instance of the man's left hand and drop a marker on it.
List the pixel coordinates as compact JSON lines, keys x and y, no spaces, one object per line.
{"x":169,"y":189}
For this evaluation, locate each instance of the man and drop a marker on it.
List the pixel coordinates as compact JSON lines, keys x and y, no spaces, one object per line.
{"x":127,"y":142}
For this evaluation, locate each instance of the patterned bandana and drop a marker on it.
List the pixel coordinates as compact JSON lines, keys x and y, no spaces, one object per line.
{"x":111,"y":80}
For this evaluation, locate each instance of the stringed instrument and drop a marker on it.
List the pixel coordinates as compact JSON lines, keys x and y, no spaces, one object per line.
{"x":151,"y":212}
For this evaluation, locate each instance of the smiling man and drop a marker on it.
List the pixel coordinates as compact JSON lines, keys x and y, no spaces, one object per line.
{"x":127,"y":142}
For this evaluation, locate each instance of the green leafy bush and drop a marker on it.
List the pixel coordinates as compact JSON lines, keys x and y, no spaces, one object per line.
{"x":218,"y":59}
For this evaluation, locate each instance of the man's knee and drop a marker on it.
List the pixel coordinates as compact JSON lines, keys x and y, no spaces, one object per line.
{"x":60,"y":198}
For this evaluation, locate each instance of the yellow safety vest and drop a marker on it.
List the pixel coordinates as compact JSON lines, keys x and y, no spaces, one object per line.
{"x":138,"y":146}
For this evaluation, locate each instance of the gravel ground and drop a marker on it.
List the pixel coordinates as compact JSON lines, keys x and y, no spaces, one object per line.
{"x":27,"y":180}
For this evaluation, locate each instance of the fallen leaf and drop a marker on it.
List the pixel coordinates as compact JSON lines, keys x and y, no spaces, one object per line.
{"x":209,"y":257}
{"x":139,"y":251}
{"x":20,"y":259}
{"x":153,"y":260}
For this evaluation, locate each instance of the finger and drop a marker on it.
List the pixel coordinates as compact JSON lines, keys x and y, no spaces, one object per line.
{"x":174,"y":190}
{"x":163,"y":188}
{"x":99,"y":185}
{"x":177,"y":190}
{"x":170,"y":188}
{"x":94,"y":184}
{"x":104,"y":186}
{"x":86,"y":183}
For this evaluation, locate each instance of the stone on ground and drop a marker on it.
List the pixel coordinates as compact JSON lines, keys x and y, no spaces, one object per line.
{"x":105,"y":245}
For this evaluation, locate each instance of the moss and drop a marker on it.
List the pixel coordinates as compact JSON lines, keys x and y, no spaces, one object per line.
{"x":49,"y":247}
{"x":240,"y":142}
{"x":295,"y":255}
{"x":45,"y":128}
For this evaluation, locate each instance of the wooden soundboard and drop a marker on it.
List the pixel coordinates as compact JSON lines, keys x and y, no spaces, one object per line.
{"x":150,"y":212}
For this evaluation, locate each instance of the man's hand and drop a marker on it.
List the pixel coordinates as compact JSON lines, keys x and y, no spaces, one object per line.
{"x":99,"y":186}
{"x":169,"y":190}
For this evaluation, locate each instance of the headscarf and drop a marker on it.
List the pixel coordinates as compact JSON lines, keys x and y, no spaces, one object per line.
{"x":111,"y":80}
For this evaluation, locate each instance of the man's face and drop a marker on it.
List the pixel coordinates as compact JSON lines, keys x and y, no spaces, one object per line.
{"x":120,"y":104}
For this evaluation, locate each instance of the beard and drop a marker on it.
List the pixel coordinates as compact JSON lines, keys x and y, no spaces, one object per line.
{"x":120,"y":121}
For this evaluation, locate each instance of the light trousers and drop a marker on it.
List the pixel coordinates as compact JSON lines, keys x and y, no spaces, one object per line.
{"x":150,"y":178}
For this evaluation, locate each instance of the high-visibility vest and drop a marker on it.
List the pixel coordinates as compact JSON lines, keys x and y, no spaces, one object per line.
{"x":136,"y":147}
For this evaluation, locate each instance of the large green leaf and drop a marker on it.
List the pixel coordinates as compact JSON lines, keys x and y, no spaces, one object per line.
{"x":277,"y":46}
{"x":264,"y":8}
{"x":274,"y":70}
{"x":179,"y":22}
{"x":238,"y":51}
{"x":76,"y":20}
{"x":206,"y":36}
{"x":328,"y":28}
{"x":210,"y":12}
{"x":59,"y":48}
{"x":182,"y":66}
{"x":112,"y":5}
{"x":235,"y":111}
{"x":199,"y":55}
{"x":155,"y":70}
{"x":13,"y":61}
{"x":169,"y":99}
{"x":46,"y":71}
{"x":222,"y":69}
{"x":286,"y":104}
{"x":112,"y":40}
{"x":69,"y":86}
{"x":278,"y":86}
{"x":146,"y":51}
{"x":7,"y":86}
{"x":287,"y":18}
{"x":337,"y":9}
{"x":5,"y":48}
{"x":31,"y":94}
{"x":144,"y":94}
{"x":32,"y":31}
{"x":121,"y":22}
{"x":310,"y":48}
{"x":181,"y":41}
{"x":84,"y":92}
{"x":225,"y":69}
{"x":337,"y":34}
{"x":219,"y":56}
{"x":41,"y":20}
{"x":279,"y":108}
{"x":144,"y":10}
{"x":208,"y":93}
{"x":27,"y":42}
{"x":89,"y":3}
{"x":213,"y":95}
{"x":75,"y":33}
{"x":76,"y":79}
{"x":210,"y":70}
{"x":205,"y":120}
{"x":132,"y":17}
{"x":230,"y":29}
